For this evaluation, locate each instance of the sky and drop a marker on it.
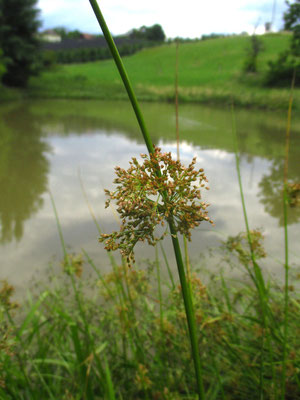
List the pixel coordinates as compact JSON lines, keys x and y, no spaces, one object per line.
{"x":186,"y":19}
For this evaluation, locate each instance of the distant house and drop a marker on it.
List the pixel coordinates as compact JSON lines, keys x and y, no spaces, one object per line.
{"x":50,"y":36}
{"x":87,"y":36}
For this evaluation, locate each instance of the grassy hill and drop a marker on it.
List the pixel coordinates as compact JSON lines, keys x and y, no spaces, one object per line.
{"x":209,"y":72}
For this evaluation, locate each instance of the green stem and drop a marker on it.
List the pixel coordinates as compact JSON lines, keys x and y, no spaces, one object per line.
{"x":257,"y":277}
{"x":116,"y":56}
{"x":159,"y":289}
{"x":286,"y":292}
{"x":168,"y":266}
{"x":189,"y":310}
{"x":286,"y":243}
{"x":187,"y":298}
{"x":176,"y":101}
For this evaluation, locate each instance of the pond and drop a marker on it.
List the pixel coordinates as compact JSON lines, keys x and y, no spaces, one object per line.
{"x":65,"y":146}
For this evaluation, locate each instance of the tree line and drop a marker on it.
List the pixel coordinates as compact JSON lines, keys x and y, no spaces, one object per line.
{"x":91,"y":54}
{"x":84,"y":50}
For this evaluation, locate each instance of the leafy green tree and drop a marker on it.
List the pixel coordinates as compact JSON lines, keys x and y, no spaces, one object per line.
{"x":61,"y":31}
{"x":281,"y":71}
{"x":292,"y":23}
{"x":256,"y":46}
{"x":76,"y":34}
{"x":152,"y":33}
{"x":18,"y":39}
{"x":2,"y":64}
{"x":155,"y":33}
{"x":65,"y":34}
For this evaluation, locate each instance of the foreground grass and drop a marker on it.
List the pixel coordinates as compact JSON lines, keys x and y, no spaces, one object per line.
{"x":209,"y":71}
{"x":62,"y":343}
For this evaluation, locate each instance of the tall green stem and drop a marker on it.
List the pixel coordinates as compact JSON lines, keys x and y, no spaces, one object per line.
{"x":189,"y":310}
{"x":176,"y":100}
{"x":116,"y":56}
{"x":187,"y":298}
{"x":257,"y":277}
{"x":286,"y":246}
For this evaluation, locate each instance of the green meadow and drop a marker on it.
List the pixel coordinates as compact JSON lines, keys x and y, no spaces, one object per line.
{"x":210,"y":71}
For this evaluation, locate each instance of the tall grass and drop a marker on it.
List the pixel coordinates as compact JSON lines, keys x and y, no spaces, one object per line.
{"x":78,"y":340}
{"x":256,"y":276}
{"x":268,"y":318}
{"x":286,"y":247}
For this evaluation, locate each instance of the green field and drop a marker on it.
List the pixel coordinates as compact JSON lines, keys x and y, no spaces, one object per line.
{"x":209,"y":72}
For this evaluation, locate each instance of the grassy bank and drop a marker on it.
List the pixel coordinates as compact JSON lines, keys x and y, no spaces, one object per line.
{"x":11,"y":94}
{"x":62,"y":343}
{"x":209,"y":72}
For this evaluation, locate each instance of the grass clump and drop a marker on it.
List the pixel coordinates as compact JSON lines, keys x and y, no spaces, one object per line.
{"x":69,"y":336}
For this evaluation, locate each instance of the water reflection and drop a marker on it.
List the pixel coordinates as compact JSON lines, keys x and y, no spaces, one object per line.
{"x":23,"y":171}
{"x":270,"y":191}
{"x":96,"y":136}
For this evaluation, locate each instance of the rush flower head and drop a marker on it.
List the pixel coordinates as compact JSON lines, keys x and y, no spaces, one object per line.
{"x":239,"y":245}
{"x":293,"y":192}
{"x":149,"y":194}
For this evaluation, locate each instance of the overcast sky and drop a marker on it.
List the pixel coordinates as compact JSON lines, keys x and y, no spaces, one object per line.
{"x":189,"y":18}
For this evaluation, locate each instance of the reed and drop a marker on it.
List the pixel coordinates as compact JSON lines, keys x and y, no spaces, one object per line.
{"x":186,"y":292}
{"x":286,"y":247}
{"x":257,"y":276}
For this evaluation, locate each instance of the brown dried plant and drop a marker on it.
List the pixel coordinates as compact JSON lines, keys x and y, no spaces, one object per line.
{"x":152,"y":193}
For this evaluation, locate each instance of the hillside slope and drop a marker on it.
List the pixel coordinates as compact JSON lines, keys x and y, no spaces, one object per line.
{"x":209,"y":71}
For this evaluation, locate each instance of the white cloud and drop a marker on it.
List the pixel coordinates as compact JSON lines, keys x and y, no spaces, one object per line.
{"x":189,"y":19}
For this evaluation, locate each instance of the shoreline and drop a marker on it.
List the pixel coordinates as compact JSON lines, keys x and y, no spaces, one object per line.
{"x":275,"y":100}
